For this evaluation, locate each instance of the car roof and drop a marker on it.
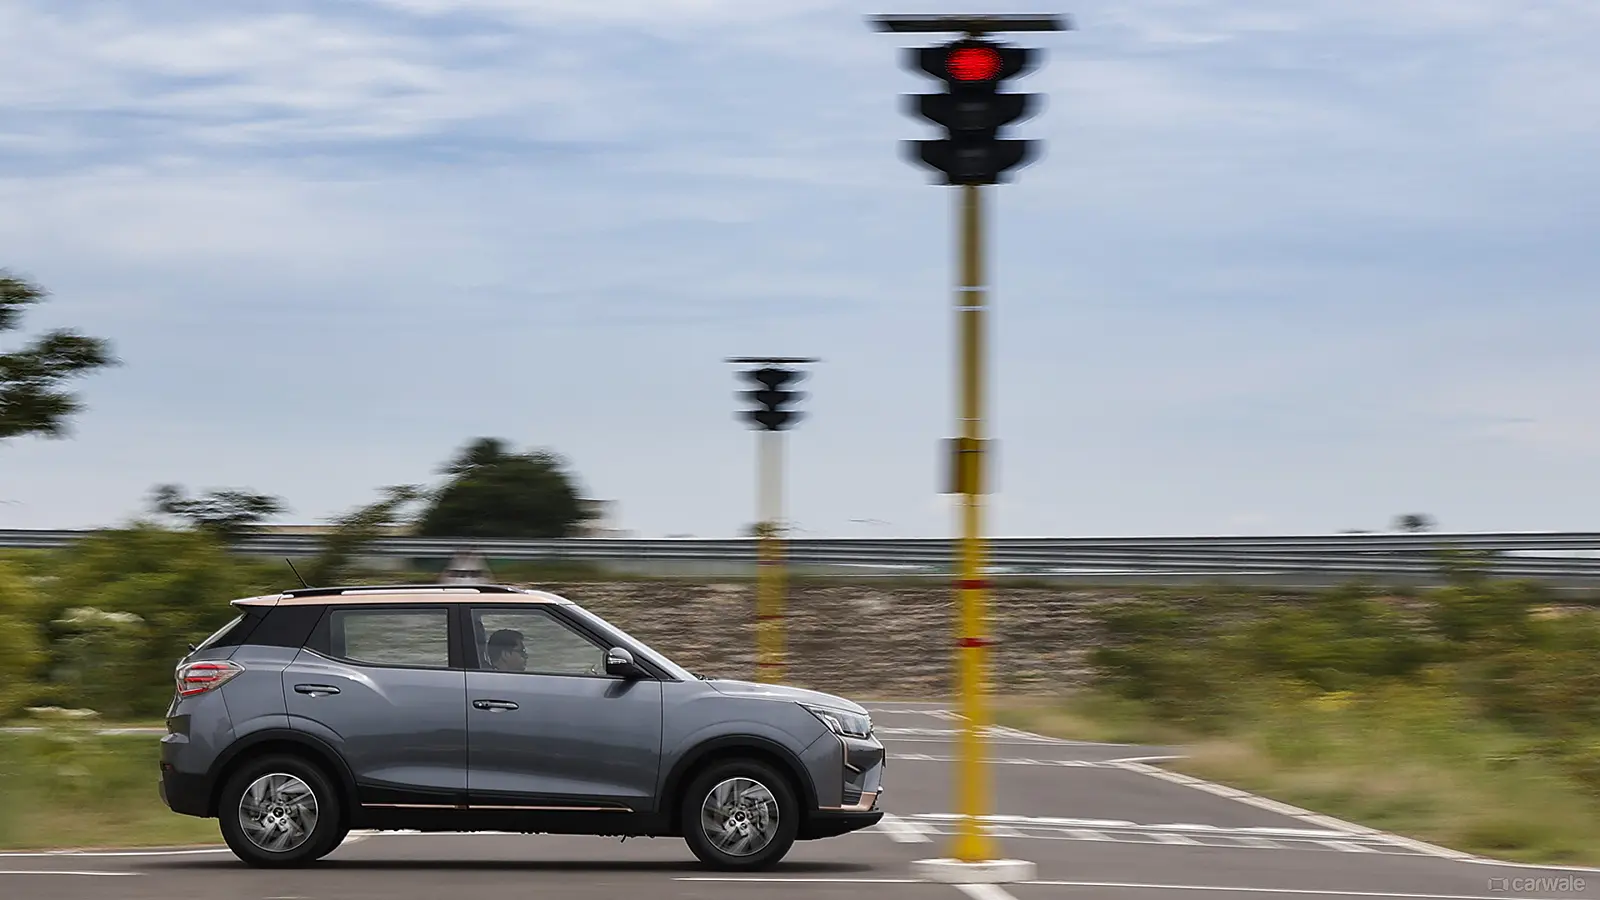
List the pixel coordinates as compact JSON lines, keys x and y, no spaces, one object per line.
{"x":402,"y":593}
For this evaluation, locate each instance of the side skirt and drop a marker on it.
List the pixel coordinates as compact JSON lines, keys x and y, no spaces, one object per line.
{"x":608,"y":823}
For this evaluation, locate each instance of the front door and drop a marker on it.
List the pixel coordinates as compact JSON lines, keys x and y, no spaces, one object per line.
{"x":546,"y":726}
{"x":379,"y":684}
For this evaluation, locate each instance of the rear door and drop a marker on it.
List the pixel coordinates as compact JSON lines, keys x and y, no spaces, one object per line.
{"x":556,"y":730}
{"x":383,"y":685}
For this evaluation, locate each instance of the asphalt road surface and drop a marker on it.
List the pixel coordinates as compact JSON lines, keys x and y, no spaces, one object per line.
{"x":1098,"y":820}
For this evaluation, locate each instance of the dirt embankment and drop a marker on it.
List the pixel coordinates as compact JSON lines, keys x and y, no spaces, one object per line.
{"x":857,"y":640}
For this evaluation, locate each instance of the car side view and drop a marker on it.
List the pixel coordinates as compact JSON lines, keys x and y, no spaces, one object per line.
{"x":493,"y":708}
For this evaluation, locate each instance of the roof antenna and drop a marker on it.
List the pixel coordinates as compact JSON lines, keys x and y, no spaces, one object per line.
{"x":296,"y":572}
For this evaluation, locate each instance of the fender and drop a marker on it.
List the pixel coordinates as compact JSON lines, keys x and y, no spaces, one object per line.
{"x":808,"y":788}
{"x":321,"y":748}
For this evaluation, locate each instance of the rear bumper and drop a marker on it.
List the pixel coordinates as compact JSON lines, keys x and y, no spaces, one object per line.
{"x":184,"y":794}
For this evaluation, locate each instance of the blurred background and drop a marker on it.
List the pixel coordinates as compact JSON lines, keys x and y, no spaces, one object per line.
{"x":396,"y":268}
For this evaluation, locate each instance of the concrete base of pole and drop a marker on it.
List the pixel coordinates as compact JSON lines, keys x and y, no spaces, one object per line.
{"x":989,"y":871}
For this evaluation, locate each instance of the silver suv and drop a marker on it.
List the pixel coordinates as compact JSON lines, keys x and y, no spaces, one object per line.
{"x":492,"y":708}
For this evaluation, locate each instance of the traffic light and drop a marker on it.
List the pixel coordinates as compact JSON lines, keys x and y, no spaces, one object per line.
{"x":972,"y":110}
{"x":772,"y":397}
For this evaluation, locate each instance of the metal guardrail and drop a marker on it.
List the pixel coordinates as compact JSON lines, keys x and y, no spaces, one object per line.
{"x":1544,"y":555}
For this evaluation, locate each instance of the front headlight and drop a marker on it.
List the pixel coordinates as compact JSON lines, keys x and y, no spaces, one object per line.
{"x":844,"y":723}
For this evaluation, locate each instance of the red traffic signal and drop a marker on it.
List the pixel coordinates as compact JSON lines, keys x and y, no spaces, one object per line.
{"x":973,"y":63}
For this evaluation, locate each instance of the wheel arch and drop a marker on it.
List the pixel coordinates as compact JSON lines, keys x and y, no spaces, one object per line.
{"x":736,"y":746}
{"x":283,"y":740}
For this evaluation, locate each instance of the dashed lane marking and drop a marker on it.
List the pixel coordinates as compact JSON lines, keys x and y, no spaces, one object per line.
{"x":901,"y":831}
{"x":984,"y":891}
{"x":1174,"y":834}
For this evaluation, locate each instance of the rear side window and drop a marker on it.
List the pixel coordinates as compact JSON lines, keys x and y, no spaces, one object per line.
{"x":415,"y":638}
{"x":286,"y":626}
{"x":231,"y":634}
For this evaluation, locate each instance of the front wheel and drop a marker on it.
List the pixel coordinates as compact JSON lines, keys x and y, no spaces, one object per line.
{"x":740,"y":815}
{"x":279,"y":811}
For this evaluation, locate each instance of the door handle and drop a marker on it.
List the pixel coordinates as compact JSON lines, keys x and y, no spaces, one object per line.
{"x":494,"y":705}
{"x":315,"y":690}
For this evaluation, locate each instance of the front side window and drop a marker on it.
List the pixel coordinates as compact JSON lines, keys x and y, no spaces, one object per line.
{"x":534,"y":641}
{"x":417,"y":638}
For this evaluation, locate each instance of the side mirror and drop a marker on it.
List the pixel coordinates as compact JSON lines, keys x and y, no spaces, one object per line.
{"x":620,"y":662}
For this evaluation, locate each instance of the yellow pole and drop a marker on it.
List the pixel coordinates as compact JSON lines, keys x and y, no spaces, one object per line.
{"x":769,"y":596}
{"x":972,"y":844}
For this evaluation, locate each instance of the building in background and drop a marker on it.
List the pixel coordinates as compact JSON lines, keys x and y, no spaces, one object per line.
{"x":603,"y":520}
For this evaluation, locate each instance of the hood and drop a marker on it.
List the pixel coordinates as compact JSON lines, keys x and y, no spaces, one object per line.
{"x":784,"y":692}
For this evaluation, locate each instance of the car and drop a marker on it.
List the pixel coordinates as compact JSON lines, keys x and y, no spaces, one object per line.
{"x":468,"y":708}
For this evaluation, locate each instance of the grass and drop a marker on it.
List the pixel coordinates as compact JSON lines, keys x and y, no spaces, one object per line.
{"x":81,"y":792}
{"x":1406,"y":762}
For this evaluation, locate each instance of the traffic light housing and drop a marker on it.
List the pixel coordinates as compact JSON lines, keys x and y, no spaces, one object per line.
{"x":973,"y":110}
{"x":772,"y":397}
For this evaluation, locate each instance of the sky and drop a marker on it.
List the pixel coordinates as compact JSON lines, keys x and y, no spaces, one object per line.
{"x":1280,"y":268}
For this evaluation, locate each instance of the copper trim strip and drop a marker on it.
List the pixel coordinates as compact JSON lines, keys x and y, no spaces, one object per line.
{"x":517,"y":808}
{"x":560,"y":808}
{"x":863,"y":805}
{"x":413,"y":806}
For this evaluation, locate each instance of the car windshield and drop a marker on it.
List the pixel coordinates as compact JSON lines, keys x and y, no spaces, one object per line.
{"x":656,"y":656}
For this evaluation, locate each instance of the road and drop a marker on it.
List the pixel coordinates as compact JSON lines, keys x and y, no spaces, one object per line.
{"x":1097,"y":819}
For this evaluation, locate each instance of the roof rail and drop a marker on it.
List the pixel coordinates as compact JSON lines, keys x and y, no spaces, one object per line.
{"x":403,"y":588}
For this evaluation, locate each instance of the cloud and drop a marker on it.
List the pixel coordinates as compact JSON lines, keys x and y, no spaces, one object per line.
{"x":1293,"y":260}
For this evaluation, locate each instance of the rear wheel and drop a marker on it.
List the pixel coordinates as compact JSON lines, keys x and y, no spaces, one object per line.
{"x":740,"y":814}
{"x":279,"y":811}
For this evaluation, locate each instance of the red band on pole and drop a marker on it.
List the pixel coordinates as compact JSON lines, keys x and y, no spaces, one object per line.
{"x":972,"y":584}
{"x":771,"y":616}
{"x":970,"y":642}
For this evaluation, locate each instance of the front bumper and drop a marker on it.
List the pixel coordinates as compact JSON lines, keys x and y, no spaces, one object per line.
{"x":863,"y":762}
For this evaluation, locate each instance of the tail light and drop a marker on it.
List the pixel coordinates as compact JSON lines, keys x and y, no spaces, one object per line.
{"x":195,"y":678}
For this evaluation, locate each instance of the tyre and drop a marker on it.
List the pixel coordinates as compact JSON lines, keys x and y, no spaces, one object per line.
{"x":740,"y":814}
{"x":338,"y":838}
{"x":279,"y":811}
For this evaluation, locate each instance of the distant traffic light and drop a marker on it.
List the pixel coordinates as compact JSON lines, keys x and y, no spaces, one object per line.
{"x":772,"y":397}
{"x":972,"y":110}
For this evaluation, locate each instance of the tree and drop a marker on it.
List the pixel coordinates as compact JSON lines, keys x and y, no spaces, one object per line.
{"x":32,"y":399}
{"x":495,"y":493}
{"x":1413,"y":522}
{"x":227,"y":514}
{"x":356,"y":530}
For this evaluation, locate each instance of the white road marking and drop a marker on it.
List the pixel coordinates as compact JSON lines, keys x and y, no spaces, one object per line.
{"x":1314,"y":818}
{"x":62,"y":872}
{"x":1348,"y":846}
{"x":37,"y":854}
{"x":1267,"y":890}
{"x":1186,"y":834}
{"x":773,"y":880}
{"x":901,"y":831}
{"x":984,"y":891}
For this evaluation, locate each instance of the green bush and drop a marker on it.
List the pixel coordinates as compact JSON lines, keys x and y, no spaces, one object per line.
{"x":20,"y":647}
{"x":1492,"y":650}
{"x":141,"y":595}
